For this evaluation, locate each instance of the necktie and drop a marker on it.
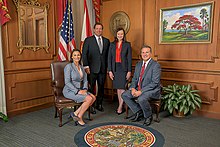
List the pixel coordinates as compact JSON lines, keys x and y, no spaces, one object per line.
{"x":141,"y":76}
{"x":100,"y":44}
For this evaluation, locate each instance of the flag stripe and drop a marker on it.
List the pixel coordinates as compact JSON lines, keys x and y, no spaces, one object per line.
{"x":67,"y":41}
{"x":88,"y":21}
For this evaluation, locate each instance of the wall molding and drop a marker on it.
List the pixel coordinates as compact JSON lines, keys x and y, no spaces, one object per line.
{"x":207,"y":99}
{"x":16,"y":95}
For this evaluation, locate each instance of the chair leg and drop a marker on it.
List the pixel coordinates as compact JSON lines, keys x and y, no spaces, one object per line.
{"x":157,"y":114}
{"x":60,"y":111}
{"x":55,"y":112}
{"x":126,"y":111}
{"x":89,"y":116}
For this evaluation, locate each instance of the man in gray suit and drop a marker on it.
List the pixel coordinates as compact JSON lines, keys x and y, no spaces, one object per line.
{"x":145,"y":85}
{"x":95,"y":55}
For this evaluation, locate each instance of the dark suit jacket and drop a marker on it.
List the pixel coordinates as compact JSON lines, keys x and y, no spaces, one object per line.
{"x":150,"y":80}
{"x":125,"y":56}
{"x":92,"y":57}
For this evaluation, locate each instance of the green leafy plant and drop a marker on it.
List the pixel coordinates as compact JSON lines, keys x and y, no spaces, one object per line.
{"x":181,"y":97}
{"x":4,"y":117}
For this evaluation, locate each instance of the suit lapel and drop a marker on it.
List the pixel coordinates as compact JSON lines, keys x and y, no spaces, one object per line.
{"x":147,"y":68}
{"x":114,"y":49}
{"x":96,"y":43}
{"x":123,"y":47}
{"x":76,"y":70}
{"x":139,"y":69}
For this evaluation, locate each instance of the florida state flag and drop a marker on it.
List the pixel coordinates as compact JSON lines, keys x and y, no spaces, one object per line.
{"x":4,"y":15}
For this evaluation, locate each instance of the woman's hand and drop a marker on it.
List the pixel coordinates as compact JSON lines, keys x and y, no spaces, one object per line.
{"x":111,"y":76}
{"x":87,"y":70}
{"x":128,"y":75}
{"x":83,"y":92}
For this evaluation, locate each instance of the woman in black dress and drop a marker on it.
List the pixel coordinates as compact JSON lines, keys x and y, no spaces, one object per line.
{"x":119,"y":65}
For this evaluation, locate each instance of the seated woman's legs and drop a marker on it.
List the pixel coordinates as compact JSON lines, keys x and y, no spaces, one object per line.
{"x":82,"y":109}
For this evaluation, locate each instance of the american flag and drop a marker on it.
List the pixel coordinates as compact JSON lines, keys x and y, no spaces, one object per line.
{"x":67,"y":41}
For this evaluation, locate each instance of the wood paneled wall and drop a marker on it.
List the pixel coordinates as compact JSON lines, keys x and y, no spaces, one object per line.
{"x":27,"y":75}
{"x":196,"y":64}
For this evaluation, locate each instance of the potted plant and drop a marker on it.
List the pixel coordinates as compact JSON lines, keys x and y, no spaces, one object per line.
{"x":180,"y":99}
{"x":4,"y":117}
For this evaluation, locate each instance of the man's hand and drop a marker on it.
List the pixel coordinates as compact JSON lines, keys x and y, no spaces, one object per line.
{"x":133,"y":90}
{"x":137,"y":93}
{"x":87,"y":70}
{"x":111,"y":76}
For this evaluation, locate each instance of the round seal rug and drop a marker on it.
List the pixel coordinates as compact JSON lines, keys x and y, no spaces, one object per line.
{"x":118,"y":134}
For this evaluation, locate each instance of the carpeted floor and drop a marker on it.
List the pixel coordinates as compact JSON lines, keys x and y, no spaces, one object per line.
{"x":114,"y":134}
{"x":40,"y":128}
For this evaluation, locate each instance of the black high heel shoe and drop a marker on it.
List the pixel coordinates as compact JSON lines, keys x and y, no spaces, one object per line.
{"x":73,"y":116}
{"x":123,"y":110}
{"x":84,"y":125}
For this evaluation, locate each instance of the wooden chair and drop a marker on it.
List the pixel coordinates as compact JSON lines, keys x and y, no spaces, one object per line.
{"x":57,"y":71}
{"x":155,"y":104}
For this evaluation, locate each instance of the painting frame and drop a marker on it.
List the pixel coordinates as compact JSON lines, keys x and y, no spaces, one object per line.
{"x":186,"y":24}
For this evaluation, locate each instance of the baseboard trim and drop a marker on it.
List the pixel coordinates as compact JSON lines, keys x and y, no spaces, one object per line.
{"x":207,"y":114}
{"x":29,"y":109}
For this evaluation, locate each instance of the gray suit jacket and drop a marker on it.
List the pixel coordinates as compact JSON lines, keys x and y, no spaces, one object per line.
{"x":151,"y":78}
{"x":73,"y":82}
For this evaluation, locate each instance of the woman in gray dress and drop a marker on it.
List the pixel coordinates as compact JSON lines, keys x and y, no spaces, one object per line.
{"x":119,"y":65}
{"x":76,"y":86}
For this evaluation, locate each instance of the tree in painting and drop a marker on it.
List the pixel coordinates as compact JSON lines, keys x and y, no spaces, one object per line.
{"x":165,"y":23}
{"x":187,"y":23}
{"x":205,"y":19}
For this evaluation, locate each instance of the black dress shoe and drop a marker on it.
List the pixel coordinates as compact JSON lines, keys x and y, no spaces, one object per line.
{"x":81,"y":125}
{"x":138,"y":117}
{"x":93,"y":110}
{"x":100,"y":108}
{"x":132,"y":117}
{"x":147,"y":121}
{"x":123,"y":110}
{"x":73,"y":116}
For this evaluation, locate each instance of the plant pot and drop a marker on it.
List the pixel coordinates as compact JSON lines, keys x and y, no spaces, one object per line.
{"x":177,"y":113}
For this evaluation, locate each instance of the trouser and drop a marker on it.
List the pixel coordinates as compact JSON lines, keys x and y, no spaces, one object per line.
{"x":138,"y":103}
{"x":100,"y":78}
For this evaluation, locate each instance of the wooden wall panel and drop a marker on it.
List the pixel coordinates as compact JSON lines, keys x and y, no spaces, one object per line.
{"x":196,"y":64}
{"x":200,"y":52}
{"x":27,"y":75}
{"x":135,"y":11}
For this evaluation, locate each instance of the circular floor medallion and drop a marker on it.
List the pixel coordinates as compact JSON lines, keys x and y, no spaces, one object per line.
{"x":118,"y":134}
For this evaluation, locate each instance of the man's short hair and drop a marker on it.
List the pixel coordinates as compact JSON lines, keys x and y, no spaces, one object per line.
{"x":146,"y":46}
{"x":97,"y":23}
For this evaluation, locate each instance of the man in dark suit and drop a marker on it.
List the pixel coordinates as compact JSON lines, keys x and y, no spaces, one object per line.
{"x":145,"y":85}
{"x":95,"y":55}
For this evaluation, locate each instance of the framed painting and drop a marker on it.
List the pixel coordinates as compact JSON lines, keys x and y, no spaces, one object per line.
{"x":186,"y":24}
